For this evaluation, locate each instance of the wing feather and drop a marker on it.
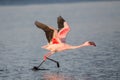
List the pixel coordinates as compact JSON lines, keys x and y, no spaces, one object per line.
{"x":48,"y":31}
{"x":63,"y":28}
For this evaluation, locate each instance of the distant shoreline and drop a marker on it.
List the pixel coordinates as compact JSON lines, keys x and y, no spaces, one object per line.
{"x":29,"y":2}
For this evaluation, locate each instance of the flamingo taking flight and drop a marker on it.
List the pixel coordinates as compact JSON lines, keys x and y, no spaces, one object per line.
{"x":56,"y":39}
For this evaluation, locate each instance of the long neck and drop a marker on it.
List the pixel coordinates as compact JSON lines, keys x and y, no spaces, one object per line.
{"x":79,"y":46}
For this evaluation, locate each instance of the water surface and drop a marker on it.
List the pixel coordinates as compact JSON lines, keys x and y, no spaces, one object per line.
{"x":21,"y":41}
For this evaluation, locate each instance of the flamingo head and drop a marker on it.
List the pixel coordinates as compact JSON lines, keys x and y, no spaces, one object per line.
{"x":89,"y":43}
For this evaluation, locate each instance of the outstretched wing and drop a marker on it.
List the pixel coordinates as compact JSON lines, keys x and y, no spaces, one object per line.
{"x":48,"y":31}
{"x":63,"y":28}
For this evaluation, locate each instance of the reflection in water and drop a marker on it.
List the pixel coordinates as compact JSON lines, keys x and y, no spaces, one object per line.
{"x":58,"y":76}
{"x":20,"y":44}
{"x":68,"y":76}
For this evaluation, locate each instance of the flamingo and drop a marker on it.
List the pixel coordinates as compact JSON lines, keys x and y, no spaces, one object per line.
{"x":56,"y":39}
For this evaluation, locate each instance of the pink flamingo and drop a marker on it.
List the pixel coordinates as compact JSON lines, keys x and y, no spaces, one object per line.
{"x":56,"y":39}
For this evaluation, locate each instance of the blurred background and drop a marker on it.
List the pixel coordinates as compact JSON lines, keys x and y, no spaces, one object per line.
{"x":89,"y":20}
{"x":25,"y":2}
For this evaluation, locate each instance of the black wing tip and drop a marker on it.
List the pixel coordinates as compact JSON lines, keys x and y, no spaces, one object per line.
{"x":36,"y":22}
{"x":60,"y":18}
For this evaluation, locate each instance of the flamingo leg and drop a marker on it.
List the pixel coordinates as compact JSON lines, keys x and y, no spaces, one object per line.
{"x":46,"y":57}
{"x":54,"y":61}
{"x":37,"y":67}
{"x":49,"y":54}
